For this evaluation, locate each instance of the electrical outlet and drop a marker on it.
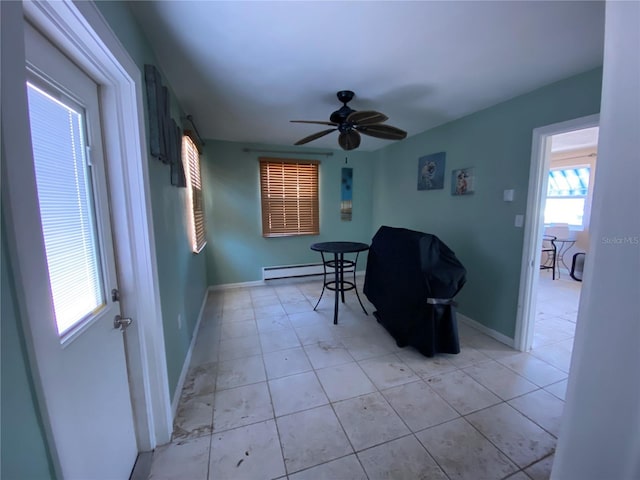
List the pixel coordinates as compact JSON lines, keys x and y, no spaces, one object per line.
{"x":179,"y":321}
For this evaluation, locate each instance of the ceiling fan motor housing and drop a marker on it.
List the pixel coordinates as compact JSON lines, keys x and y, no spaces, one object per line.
{"x":340,"y":116}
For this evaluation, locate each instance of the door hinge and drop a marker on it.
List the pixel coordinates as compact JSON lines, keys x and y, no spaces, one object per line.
{"x":115,"y":295}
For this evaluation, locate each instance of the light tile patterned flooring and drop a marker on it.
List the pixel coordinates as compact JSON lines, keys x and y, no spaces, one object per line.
{"x":275,"y":390}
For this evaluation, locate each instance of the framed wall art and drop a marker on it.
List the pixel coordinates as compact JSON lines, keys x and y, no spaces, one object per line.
{"x":431,"y":171}
{"x":463,"y":181}
{"x":346,"y":195}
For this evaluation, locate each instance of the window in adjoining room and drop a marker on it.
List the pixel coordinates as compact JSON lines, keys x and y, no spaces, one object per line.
{"x":195,"y":200}
{"x":289,"y":195}
{"x":567,"y":195}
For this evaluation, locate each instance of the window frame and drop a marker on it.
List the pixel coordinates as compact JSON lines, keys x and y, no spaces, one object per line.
{"x":585,"y":197}
{"x":196,"y":218}
{"x":572,"y":159}
{"x":277,"y":207}
{"x":92,"y":175}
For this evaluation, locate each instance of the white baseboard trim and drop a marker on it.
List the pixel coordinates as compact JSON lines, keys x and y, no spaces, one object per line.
{"x":231,"y":286}
{"x":486,"y":330}
{"x":187,"y":359}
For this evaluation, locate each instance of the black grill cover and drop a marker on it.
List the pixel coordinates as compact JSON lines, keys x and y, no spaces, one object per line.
{"x":405,"y":269}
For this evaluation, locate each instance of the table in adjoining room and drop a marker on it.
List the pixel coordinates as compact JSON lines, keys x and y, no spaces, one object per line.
{"x":339,"y":284}
{"x":563,"y":244}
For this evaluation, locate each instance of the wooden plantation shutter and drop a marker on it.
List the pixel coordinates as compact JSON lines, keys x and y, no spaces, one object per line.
{"x":191,"y":162}
{"x":289,"y":194}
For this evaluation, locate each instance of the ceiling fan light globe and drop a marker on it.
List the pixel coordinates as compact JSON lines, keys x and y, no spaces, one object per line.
{"x":349,"y":140}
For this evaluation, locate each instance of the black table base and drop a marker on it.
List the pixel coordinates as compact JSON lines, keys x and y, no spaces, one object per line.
{"x":339,"y":285}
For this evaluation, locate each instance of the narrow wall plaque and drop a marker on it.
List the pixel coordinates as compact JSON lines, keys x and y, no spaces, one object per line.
{"x":346,"y":191}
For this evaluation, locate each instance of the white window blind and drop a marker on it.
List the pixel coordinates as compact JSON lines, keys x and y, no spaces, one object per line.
{"x":66,"y":208}
{"x":191,"y":163}
{"x":289,"y":195}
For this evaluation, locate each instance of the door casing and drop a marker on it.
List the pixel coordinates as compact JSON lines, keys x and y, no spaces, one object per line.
{"x":532,"y":243}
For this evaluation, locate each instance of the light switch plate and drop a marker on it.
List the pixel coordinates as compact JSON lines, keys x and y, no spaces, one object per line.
{"x":507,"y":195}
{"x":519,"y":220}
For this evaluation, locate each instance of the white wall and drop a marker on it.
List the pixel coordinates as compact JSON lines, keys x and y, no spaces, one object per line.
{"x":600,"y":436}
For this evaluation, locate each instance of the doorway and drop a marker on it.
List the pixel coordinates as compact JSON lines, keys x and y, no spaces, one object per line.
{"x":561,"y":295}
{"x":572,"y":169}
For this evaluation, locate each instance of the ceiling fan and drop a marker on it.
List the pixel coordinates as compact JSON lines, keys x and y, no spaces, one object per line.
{"x":351,"y":124}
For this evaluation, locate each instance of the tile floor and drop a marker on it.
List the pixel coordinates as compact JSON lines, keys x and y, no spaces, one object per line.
{"x":556,"y":312}
{"x":275,"y":390}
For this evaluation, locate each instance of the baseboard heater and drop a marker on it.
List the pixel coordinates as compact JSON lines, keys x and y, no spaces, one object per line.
{"x":291,"y":271}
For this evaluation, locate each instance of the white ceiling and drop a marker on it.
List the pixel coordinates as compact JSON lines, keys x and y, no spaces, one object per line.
{"x":244,"y":69}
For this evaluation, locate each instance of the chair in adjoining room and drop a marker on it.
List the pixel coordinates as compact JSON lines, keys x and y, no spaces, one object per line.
{"x":549,"y":254}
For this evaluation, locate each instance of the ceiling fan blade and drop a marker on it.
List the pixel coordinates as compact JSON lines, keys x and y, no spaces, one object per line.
{"x":382,"y":131}
{"x":315,"y":136}
{"x":318,"y":122}
{"x":349,"y":140}
{"x":367,"y":117}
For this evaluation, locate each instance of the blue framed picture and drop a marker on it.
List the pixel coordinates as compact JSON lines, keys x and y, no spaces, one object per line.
{"x":431,"y":171}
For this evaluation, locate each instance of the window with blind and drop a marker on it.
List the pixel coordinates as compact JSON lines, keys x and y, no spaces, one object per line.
{"x":67,"y":213}
{"x":195,"y":200}
{"x":289,"y":195}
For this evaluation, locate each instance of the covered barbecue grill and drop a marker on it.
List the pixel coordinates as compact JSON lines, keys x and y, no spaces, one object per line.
{"x":411,"y":279}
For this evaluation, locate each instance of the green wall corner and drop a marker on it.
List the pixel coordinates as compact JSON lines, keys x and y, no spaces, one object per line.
{"x":236,"y":249}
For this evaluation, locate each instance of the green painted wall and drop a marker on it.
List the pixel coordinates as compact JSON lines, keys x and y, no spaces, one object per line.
{"x":236,"y":249}
{"x":24,"y":450}
{"x":181,"y":274}
{"x":480,"y":227}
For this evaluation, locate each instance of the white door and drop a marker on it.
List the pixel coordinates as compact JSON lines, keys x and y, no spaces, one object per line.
{"x":79,"y":354}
